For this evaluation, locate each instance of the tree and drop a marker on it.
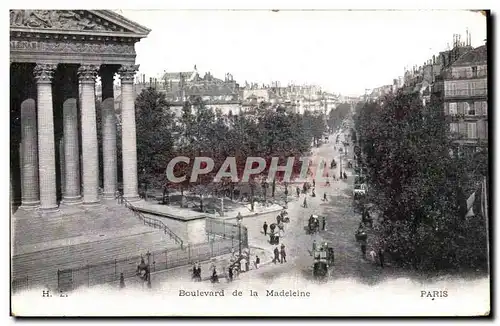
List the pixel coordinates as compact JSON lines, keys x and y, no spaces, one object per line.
{"x":154,"y":123}
{"x":419,"y":188}
{"x":337,"y":115}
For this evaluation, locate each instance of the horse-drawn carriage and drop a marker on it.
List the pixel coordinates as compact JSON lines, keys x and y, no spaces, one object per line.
{"x":282,"y":217}
{"x":274,"y":235}
{"x":324,"y":258}
{"x":313,"y":224}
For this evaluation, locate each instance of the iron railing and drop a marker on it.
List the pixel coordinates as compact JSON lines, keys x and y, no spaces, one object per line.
{"x":107,"y":272}
{"x":155,"y":223}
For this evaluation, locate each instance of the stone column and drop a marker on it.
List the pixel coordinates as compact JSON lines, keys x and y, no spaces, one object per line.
{"x":90,"y":160}
{"x":129,"y":146}
{"x":29,"y":155}
{"x":108,"y":134}
{"x":71,"y":185}
{"x":44,"y":74}
{"x":62,"y":165}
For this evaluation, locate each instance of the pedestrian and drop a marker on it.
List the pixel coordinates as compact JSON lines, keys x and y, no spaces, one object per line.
{"x":323,"y":223}
{"x":122,"y":281}
{"x":324,"y":197}
{"x":243,"y":263}
{"x":298,"y":191}
{"x":305,"y":202}
{"x":215,"y":277}
{"x":313,"y":193}
{"x":381,"y":256}
{"x":199,"y":272}
{"x":265,"y":228}
{"x":276,"y":255}
{"x":283,"y":254}
{"x":363,"y":248}
{"x":345,"y":175}
{"x":314,"y":245}
{"x":257,"y":262}
{"x":340,"y":177}
{"x":195,"y":270}
{"x":314,"y":184}
{"x":230,"y":273}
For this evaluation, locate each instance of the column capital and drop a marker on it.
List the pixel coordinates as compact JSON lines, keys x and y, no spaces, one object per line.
{"x":44,"y":73}
{"x":87,"y":73}
{"x":127,"y":73}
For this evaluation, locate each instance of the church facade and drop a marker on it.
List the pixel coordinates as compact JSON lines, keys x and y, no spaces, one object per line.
{"x":56,"y":57}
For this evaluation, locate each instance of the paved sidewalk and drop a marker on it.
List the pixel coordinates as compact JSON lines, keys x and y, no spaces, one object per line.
{"x":184,"y":273}
{"x":187,"y":214}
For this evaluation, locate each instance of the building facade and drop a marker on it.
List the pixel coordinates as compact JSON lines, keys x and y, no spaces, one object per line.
{"x":56,"y":57}
{"x":464,"y":90}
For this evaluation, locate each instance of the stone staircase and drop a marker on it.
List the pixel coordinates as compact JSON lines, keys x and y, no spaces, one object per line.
{"x":77,"y":237}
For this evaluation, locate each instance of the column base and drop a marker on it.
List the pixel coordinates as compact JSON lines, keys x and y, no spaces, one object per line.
{"x":109,"y":195}
{"x":132,"y":198}
{"x":96,"y":202}
{"x":72,"y":200}
{"x":49,"y":209}
{"x":29,"y":205}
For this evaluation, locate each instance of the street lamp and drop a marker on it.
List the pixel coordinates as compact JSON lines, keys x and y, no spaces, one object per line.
{"x":239,"y":236}
{"x":148,"y":254}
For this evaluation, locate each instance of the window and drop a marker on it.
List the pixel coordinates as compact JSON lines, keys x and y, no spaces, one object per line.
{"x":453,"y":127}
{"x":469,"y":109}
{"x":474,"y":72}
{"x":471,"y":130}
{"x":453,"y":108}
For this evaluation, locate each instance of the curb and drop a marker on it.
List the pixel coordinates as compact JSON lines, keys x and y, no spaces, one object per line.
{"x":255,"y":214}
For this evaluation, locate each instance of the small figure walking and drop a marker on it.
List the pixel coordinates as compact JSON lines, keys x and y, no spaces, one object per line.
{"x":283,"y":254}
{"x":363,"y":248}
{"x":122,"y":281}
{"x":265,"y":228}
{"x":345,"y":175}
{"x":314,"y":245}
{"x":276,"y":255}
{"x":230,"y":273}
{"x":257,"y":262}
{"x":305,"y":202}
{"x":381,"y":256}
{"x":298,"y":192}
{"x":314,"y":184}
{"x":323,"y":222}
{"x":324,"y":197}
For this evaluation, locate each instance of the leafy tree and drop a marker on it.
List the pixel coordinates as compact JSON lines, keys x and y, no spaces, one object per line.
{"x":154,"y":123}
{"x":418,"y":186}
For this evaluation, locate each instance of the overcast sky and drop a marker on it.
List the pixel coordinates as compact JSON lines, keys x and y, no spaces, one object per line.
{"x":342,"y":51}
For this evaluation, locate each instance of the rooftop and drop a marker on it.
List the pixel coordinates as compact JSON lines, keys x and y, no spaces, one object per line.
{"x":478,"y":55}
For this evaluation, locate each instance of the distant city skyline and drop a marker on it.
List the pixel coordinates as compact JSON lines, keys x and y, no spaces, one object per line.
{"x":342,"y":51}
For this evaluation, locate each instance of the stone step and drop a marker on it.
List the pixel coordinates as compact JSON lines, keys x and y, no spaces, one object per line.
{"x":41,"y":267}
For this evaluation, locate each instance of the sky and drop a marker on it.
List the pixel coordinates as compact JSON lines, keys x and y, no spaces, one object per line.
{"x":342,"y":51}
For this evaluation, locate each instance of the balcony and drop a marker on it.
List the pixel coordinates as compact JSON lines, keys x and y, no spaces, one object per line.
{"x":466,"y":93}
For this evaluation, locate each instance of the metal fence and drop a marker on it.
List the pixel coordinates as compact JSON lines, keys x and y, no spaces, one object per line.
{"x":20,"y":284}
{"x":227,"y":230}
{"x":106,"y":272}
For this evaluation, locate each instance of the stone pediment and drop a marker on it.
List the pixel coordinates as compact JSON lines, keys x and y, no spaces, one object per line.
{"x":75,"y":21}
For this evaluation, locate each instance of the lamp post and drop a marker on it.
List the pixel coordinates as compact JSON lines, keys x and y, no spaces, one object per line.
{"x":148,"y":254}
{"x":341,"y":166}
{"x":239,"y":236}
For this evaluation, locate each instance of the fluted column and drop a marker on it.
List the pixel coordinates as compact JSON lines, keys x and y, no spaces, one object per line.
{"x":90,"y":161}
{"x":44,"y":74}
{"x":71,"y":185}
{"x":129,"y":146}
{"x":108,"y":134}
{"x":30,"y":196}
